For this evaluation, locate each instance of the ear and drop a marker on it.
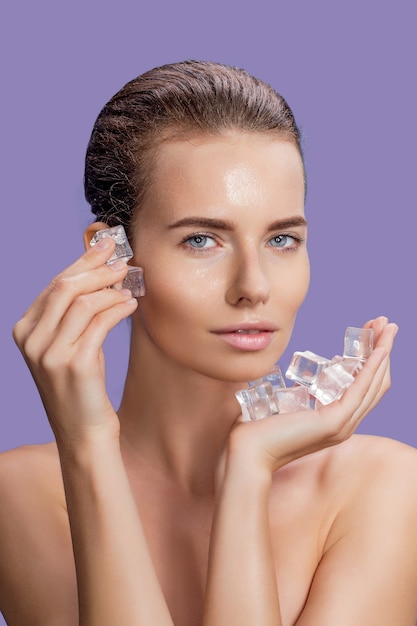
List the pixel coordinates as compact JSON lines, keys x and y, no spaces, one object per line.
{"x":91,"y":230}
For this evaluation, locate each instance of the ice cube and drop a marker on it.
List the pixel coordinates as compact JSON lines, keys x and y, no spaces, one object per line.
{"x":331,"y":383}
{"x":122,"y":251}
{"x":351,"y":365}
{"x":256,"y":402}
{"x":292,"y":399}
{"x":358,"y":342}
{"x":305,"y":367}
{"x":134,"y":281}
{"x":274,"y":377}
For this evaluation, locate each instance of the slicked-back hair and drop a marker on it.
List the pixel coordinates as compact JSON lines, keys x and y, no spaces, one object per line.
{"x":178,"y":100}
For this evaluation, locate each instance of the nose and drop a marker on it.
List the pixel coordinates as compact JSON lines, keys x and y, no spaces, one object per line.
{"x":249,"y":284}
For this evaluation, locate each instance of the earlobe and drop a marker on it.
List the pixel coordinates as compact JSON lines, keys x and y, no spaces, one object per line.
{"x":90,"y":232}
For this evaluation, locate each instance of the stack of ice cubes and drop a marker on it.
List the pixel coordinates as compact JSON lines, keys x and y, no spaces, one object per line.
{"x":122,"y":251}
{"x":317,"y":381}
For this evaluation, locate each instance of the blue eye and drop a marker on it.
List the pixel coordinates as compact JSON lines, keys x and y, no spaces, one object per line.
{"x":282,"y":241}
{"x":200,"y":241}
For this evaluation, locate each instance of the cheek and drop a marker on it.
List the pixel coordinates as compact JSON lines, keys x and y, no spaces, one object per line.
{"x":176,"y":297}
{"x":291,"y":289}
{"x":303,"y":281}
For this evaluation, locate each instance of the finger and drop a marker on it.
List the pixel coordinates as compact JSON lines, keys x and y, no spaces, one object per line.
{"x":343,"y":416}
{"x":83,"y":352}
{"x":95,"y":333}
{"x":377,"y":325}
{"x":376,"y":389}
{"x":91,"y":259}
{"x":386,"y":340}
{"x":356,"y":401}
{"x":62,"y":293}
{"x":368,"y":324}
{"x":371,"y":383}
{"x":385,"y":335}
{"x":67,"y":289}
{"x":77,"y":318}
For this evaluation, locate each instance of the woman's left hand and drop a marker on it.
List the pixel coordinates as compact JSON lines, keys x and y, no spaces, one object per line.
{"x":277,"y":440}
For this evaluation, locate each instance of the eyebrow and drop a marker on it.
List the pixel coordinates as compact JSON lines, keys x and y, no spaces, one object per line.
{"x":207,"y":222}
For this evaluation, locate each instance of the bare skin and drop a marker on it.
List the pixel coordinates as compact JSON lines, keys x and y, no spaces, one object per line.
{"x":177,"y":512}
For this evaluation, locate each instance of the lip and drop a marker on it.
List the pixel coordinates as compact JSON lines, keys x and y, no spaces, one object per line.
{"x":260,"y":325}
{"x":259,"y":339}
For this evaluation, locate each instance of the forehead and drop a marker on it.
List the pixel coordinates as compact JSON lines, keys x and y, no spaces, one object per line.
{"x":235,"y":170}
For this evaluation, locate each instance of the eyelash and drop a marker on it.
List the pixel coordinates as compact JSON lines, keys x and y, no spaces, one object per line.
{"x":185,"y":242}
{"x":195,"y":250}
{"x":297,"y":241}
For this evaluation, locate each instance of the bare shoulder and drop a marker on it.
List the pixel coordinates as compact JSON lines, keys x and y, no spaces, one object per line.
{"x":23,"y":461}
{"x":35,"y":544}
{"x":389,"y":451}
{"x":28,"y":475}
{"x":365,"y":491}
{"x":377,"y":491}
{"x":366,"y":461}
{"x":346,"y":470}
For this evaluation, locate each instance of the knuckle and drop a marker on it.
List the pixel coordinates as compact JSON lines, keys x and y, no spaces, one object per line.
{"x":57,"y":361}
{"x":84,"y":302}
{"x":61,"y":284}
{"x":48,"y":361}
{"x":30,"y":350}
{"x":18,"y":332}
{"x":102,"y":320}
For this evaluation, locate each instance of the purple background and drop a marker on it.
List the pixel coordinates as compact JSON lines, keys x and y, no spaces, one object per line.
{"x":349,"y":75}
{"x":347,"y":70}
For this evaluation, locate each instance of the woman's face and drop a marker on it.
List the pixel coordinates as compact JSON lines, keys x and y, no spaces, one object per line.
{"x":222,"y":240}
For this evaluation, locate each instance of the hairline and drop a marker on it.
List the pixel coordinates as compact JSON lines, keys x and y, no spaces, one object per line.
{"x":177,"y":133}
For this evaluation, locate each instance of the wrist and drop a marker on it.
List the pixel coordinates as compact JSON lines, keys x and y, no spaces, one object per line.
{"x":88,"y":447}
{"x":243,"y":470}
{"x":246,"y":449}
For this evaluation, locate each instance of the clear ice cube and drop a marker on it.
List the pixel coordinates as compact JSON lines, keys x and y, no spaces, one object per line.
{"x":122,"y":251}
{"x":358,"y":342}
{"x":292,"y":399}
{"x":305,"y":367}
{"x":256,"y":402}
{"x":351,"y":365}
{"x":331,"y":383}
{"x":134,"y":281}
{"x":274,"y":377}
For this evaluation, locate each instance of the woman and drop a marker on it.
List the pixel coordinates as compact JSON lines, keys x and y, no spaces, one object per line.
{"x":172,"y":511}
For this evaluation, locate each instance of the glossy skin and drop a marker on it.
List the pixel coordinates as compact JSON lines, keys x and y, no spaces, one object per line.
{"x":242,"y":270}
{"x":180,"y":514}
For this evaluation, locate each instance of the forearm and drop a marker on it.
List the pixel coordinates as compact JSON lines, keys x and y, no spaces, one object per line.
{"x":117,"y":583}
{"x":241,"y":586}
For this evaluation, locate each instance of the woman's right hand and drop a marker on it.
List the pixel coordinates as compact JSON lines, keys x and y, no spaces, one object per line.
{"x":61,"y":337}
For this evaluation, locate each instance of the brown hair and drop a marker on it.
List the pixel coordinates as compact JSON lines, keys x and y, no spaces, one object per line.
{"x":187,"y":98}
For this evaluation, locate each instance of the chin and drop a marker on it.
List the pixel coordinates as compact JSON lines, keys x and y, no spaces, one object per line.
{"x":244,"y":371}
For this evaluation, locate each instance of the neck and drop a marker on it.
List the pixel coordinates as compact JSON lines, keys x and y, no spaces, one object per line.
{"x":174,"y":421}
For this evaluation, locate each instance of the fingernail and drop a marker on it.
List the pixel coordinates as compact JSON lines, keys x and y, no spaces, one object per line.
{"x":117,"y":265}
{"x":102,"y":243}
